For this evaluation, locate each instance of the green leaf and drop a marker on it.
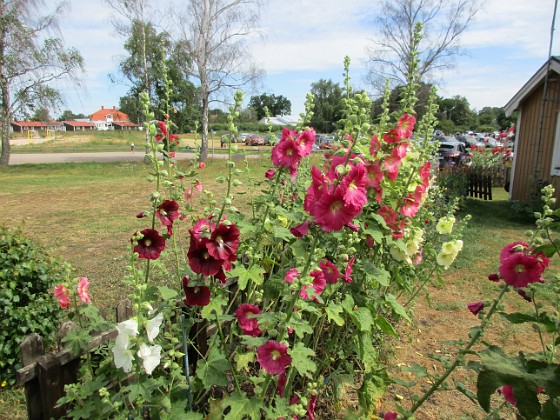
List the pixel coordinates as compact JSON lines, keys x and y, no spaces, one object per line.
{"x":216,"y":304}
{"x":242,"y":407}
{"x":384,"y":325}
{"x":301,"y":327}
{"x":283,"y":233}
{"x":166,"y":293}
{"x":301,"y":359}
{"x":212,"y":371}
{"x":548,"y":249}
{"x":397,"y":307}
{"x":242,"y":360}
{"x":244,"y":274}
{"x":348,"y":304}
{"x":368,"y":353}
{"x":363,"y":319}
{"x":333,"y":311}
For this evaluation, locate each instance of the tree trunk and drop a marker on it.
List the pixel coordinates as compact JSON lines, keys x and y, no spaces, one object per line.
{"x":6,"y":148}
{"x":204,"y":146}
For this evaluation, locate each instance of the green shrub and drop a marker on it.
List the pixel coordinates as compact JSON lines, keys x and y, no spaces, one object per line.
{"x":27,"y":274}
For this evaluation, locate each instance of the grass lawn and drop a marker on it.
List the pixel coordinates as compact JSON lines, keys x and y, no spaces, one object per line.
{"x":85,"y":213}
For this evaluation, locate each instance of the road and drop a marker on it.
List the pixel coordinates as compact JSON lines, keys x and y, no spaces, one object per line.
{"x":19,"y":159}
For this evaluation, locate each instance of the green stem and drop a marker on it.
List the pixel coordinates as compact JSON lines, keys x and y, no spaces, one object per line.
{"x":476,"y":336}
{"x":224,"y":349}
{"x":537,"y":326}
{"x":420,"y":288}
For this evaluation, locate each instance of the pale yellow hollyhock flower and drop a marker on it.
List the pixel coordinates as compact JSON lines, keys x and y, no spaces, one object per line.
{"x":399,"y":255}
{"x":412,"y":247}
{"x":445,"y":225}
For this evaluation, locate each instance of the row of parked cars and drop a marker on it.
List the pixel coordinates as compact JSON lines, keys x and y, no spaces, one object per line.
{"x":250,"y":139}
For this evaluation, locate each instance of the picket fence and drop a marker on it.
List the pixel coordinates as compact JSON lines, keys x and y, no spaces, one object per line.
{"x":480,"y":186}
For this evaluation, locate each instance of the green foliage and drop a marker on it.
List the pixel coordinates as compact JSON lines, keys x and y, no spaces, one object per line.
{"x":27,"y":277}
{"x":277,"y":105}
{"x":327,"y":98}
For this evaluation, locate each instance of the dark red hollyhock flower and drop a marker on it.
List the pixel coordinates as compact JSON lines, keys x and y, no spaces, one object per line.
{"x":475,"y":307}
{"x":168,"y":212}
{"x":246,"y":317}
{"x":223,"y":242}
{"x":221,"y":276}
{"x":494,"y":277}
{"x":141,"y":215}
{"x":524,"y":295}
{"x":311,"y":407}
{"x":347,"y":277}
{"x":507,"y":392}
{"x":300,"y":230}
{"x":282,"y":379}
{"x":273,"y":357}
{"x":200,"y":260}
{"x":151,"y":245}
{"x":330,"y":271}
{"x":270,"y":174}
{"x":196,"y":295}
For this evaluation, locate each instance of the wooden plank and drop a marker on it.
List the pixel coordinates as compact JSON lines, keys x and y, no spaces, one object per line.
{"x":32,"y":349}
{"x":51,"y":384}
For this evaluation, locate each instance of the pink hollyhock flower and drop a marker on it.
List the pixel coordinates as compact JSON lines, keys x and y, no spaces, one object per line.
{"x":202,"y":229}
{"x":354,"y":185}
{"x":318,"y":285}
{"x":62,"y":294}
{"x":150,"y":245}
{"x":83,"y":290}
{"x":391,"y":165}
{"x":245,"y":316}
{"x":311,"y":406}
{"x":406,"y":125}
{"x":512,"y":248}
{"x":291,"y":275}
{"x":200,"y":260}
{"x":330,"y":271}
{"x":162,"y":128}
{"x":286,"y":154}
{"x":475,"y":307}
{"x":353,"y":227}
{"x":223,"y":242}
{"x":347,"y":277}
{"x":374,"y":146}
{"x":389,"y":215}
{"x":171,"y":154}
{"x":390,"y":415}
{"x":399,"y":151}
{"x":273,"y":357}
{"x":374,"y":175}
{"x":159,"y":138}
{"x":202,"y":165}
{"x":167,"y":212}
{"x":425,"y":172}
{"x":174,"y":139}
{"x":195,"y":295}
{"x":305,"y":142}
{"x":270,"y":174}
{"x":300,"y":230}
{"x":393,"y":136}
{"x":507,"y":392}
{"x":519,"y":269}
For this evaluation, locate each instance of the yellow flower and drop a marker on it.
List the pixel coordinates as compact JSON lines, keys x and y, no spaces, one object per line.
{"x":445,"y":225}
{"x":4,"y":383}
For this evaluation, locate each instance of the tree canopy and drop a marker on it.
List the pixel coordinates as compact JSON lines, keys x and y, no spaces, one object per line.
{"x":277,"y":105}
{"x":328,"y":105}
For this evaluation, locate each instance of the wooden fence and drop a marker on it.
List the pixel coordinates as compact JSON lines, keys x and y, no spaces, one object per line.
{"x":44,"y":375}
{"x":480,"y":186}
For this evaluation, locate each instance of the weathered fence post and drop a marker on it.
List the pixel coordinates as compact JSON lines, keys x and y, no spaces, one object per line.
{"x":32,"y":349}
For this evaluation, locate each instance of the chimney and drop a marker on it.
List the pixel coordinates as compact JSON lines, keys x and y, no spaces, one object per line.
{"x":102,"y":107}
{"x":114,"y":107}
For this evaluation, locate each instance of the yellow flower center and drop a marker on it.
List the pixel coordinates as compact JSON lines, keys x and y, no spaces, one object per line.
{"x":275,"y":354}
{"x":519,"y":268}
{"x":147,"y":242}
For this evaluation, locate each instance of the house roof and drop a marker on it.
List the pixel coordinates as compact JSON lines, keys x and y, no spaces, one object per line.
{"x":30,"y":123}
{"x":125,"y":124}
{"x":532,"y":84}
{"x":101,"y":114}
{"x":78,"y":124}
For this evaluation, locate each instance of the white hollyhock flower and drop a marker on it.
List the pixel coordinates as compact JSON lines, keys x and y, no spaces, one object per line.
{"x":151,"y":356}
{"x":122,"y":354}
{"x":128,"y":327}
{"x":152,"y":326}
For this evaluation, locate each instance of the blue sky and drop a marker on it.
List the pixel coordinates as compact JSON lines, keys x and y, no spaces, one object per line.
{"x":306,"y":40}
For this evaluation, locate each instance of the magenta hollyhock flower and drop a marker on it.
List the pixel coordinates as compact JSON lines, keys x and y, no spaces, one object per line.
{"x":282,"y":379}
{"x":347,"y":277}
{"x":374,"y":175}
{"x":83,"y":290}
{"x":141,"y":215}
{"x":524,"y":295}
{"x":391,"y":165}
{"x":330,"y":271}
{"x":286,"y":154}
{"x":195,"y":295}
{"x":507,"y":392}
{"x":223,"y":242}
{"x":512,"y":248}
{"x":393,"y":136}
{"x":273,"y":357}
{"x":318,"y":285}
{"x":389,"y":215}
{"x":475,"y":307}
{"x":519,"y":269}
{"x":331,"y":212}
{"x":390,"y":415}
{"x":374,"y":146}
{"x":246,"y":317}
{"x":291,"y":275}
{"x":200,"y":260}
{"x":311,"y":407}
{"x":354,"y":185}
{"x":399,"y":151}
{"x":167,"y":212}
{"x":270,"y":174}
{"x":202,"y":229}
{"x":300,"y":230}
{"x":425,"y":172}
{"x":62,"y":294}
{"x":150,"y":245}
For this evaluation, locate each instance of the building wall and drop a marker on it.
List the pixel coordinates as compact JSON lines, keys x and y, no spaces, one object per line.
{"x":533,"y":166}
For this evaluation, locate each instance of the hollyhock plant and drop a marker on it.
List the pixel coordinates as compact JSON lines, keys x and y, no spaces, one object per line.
{"x":246,"y":317}
{"x":168,"y":212}
{"x":223,"y":242}
{"x":151,"y":357}
{"x":150,"y":245}
{"x":273,"y":357}
{"x":318,"y":285}
{"x":519,"y":269}
{"x":330,"y":271}
{"x":291,"y":275}
{"x":475,"y":307}
{"x":83,"y":290}
{"x":300,"y":230}
{"x":200,"y":260}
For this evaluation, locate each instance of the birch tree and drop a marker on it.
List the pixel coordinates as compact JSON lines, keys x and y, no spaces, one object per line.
{"x":32,"y":58}
{"x":216,"y":33}
{"x":443,"y":22}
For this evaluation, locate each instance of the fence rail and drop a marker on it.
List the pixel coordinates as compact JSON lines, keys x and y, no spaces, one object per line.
{"x":480,"y":186}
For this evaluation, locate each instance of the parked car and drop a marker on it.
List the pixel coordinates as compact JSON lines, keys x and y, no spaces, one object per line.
{"x":243,"y":137}
{"x":326,"y":142}
{"x":271,"y":139}
{"x":452,"y":153}
{"x":254,"y":140}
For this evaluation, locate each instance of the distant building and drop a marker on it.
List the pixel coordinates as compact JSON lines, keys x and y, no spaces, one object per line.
{"x":24,"y":126}
{"x":283,"y":120}
{"x":78,"y":125}
{"x":111,"y":119}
